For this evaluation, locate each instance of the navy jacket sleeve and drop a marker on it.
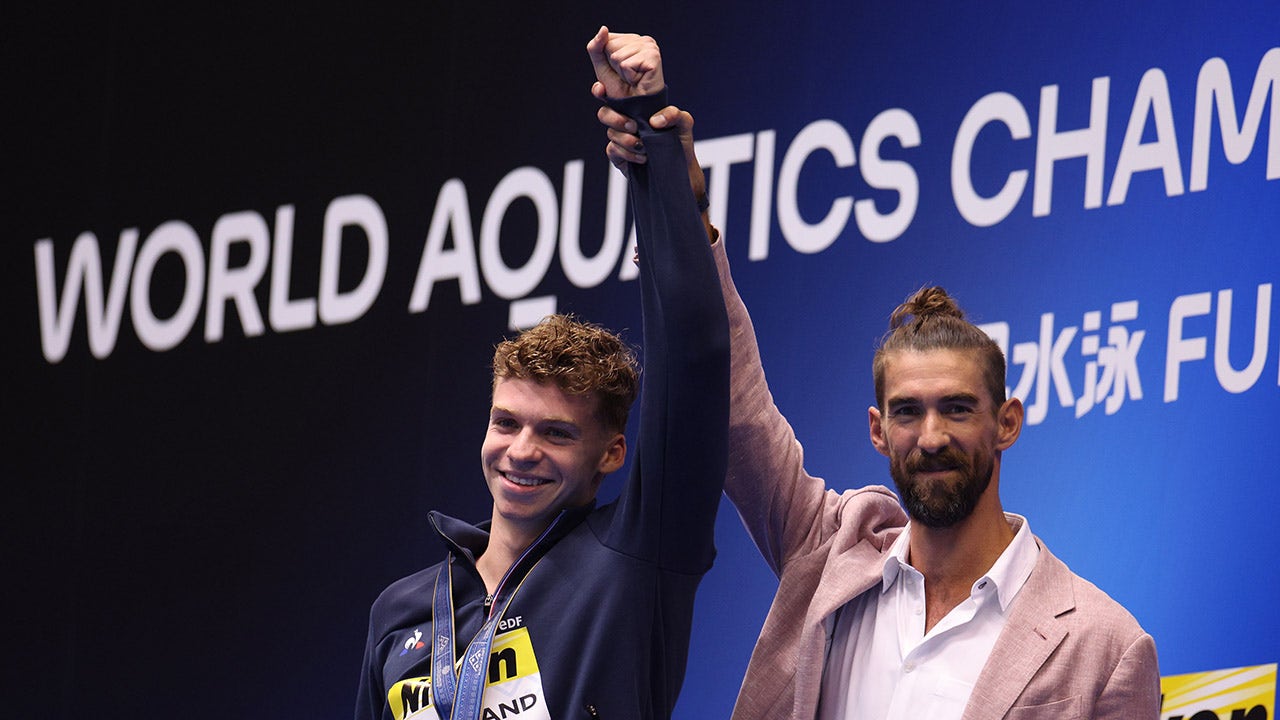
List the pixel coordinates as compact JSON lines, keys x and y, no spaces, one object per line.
{"x":369,"y":699}
{"x":668,"y":505}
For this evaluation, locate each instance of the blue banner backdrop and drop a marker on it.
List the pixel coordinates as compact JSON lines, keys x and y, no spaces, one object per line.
{"x":255,"y":264}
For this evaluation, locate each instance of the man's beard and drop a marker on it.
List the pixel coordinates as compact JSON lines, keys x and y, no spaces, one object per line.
{"x":937,"y":503}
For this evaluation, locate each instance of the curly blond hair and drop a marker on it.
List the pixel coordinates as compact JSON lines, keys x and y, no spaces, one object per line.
{"x":932,"y":320}
{"x":581,"y":358}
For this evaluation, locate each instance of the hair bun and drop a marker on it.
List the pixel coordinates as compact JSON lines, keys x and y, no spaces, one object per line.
{"x":923,"y":304}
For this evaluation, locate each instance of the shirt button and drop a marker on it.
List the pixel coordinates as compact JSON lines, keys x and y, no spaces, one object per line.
{"x":919,"y":610}
{"x":909,"y":667}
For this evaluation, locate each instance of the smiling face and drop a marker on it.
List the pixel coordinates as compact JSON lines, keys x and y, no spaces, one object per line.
{"x":942,"y":432}
{"x":545,"y":450}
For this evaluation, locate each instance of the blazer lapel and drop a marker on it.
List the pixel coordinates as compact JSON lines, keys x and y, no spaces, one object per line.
{"x":1029,"y":637}
{"x":849,"y":573}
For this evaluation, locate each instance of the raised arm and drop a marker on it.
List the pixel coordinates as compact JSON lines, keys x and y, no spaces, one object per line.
{"x":625,"y":147}
{"x":667,"y":509}
{"x":786,"y":510}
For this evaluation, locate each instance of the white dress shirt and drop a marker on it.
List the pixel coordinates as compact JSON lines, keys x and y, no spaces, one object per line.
{"x":882,"y":666}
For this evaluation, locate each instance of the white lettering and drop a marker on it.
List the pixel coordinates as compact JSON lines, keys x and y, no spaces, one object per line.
{"x":1179,"y":350}
{"x":716,"y":156}
{"x":1089,"y":142}
{"x":452,"y":215}
{"x":506,"y":282}
{"x":762,"y":196}
{"x":583,"y":271}
{"x":802,"y":236}
{"x":1135,"y":156}
{"x":286,"y":314}
{"x":226,"y":283}
{"x":977,"y":210}
{"x":1113,"y":373}
{"x":84,"y":270}
{"x":1213,"y":87}
{"x":1232,"y":380}
{"x":888,"y":175}
{"x":175,"y":237}
{"x":351,"y":211}
{"x":1044,"y":367}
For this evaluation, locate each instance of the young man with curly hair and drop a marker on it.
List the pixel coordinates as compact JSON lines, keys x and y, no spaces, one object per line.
{"x":556,"y":607}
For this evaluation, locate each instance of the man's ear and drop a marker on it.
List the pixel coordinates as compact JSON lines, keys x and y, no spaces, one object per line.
{"x":1009,"y":419}
{"x":615,"y":454}
{"x":878,"y":440}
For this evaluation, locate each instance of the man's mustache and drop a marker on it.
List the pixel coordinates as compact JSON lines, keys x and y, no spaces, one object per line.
{"x":945,"y":459}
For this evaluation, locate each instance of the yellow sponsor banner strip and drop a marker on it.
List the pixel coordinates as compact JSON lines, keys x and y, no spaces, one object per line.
{"x":411,"y":698}
{"x":511,"y":657}
{"x":1243,"y":693}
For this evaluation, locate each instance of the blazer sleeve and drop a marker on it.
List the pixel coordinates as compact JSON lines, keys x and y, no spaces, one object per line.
{"x":787,"y":511}
{"x":1133,"y":690}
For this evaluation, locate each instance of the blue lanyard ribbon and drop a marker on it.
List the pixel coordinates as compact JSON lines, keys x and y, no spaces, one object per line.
{"x":475,"y":666}
{"x":443,"y":679}
{"x":458,"y":695}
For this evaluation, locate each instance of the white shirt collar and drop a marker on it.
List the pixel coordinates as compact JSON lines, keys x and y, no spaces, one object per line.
{"x":1008,"y":574}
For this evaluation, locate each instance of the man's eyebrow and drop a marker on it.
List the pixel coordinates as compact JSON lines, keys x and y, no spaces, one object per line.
{"x":498,"y":409}
{"x":962,"y":397}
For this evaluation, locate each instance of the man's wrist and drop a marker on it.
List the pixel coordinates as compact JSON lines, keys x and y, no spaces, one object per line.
{"x":640,"y":107}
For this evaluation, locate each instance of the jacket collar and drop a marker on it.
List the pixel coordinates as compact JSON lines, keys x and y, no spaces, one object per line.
{"x":469,"y":541}
{"x":1033,"y":631}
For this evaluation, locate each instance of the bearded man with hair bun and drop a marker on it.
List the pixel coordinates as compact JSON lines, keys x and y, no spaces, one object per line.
{"x":952,"y":611}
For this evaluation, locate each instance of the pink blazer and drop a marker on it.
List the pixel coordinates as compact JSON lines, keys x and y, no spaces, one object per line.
{"x":1067,"y":651}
